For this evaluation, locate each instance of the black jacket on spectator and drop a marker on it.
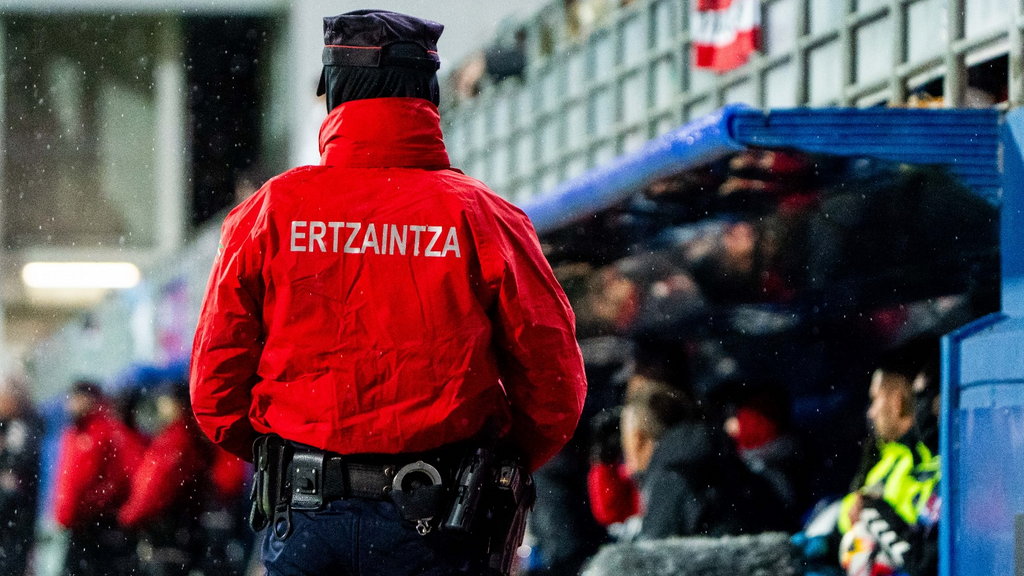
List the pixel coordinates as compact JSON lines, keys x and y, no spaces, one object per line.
{"x":19,"y":479}
{"x":692,"y":486}
{"x":778,"y":463}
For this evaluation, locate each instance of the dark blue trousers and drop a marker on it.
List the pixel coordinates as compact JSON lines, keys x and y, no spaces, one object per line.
{"x":367,"y":538}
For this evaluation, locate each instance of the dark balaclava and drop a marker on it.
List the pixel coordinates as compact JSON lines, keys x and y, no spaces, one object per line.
{"x":379,"y":54}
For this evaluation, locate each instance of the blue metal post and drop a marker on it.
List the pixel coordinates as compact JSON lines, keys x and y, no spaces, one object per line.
{"x":1013,"y":213}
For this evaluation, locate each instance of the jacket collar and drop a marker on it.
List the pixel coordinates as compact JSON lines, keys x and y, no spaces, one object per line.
{"x":383,"y":133}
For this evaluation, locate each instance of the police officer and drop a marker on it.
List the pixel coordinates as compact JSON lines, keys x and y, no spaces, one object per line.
{"x":389,"y":333}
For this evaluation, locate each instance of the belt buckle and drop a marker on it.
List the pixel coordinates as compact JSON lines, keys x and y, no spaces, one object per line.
{"x":307,"y":472}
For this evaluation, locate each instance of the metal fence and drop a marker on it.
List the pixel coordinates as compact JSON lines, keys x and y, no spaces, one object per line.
{"x":588,"y":97}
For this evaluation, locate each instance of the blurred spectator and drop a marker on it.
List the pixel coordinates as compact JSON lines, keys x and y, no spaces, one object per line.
{"x":165,"y":501}
{"x":566,"y":531}
{"x":901,"y":488}
{"x":690,"y":484}
{"x":759,"y":427}
{"x":614,"y":299}
{"x":504,"y":60}
{"x":640,"y":295}
{"x":613,"y":495}
{"x":583,"y":16}
{"x":226,"y":537}
{"x":20,"y":434}
{"x":562,"y":521}
{"x":228,"y":475}
{"x":666,"y":297}
{"x":762,"y":180}
{"x":466,"y":79}
{"x":99,"y":455}
{"x":724,"y":266}
{"x":881,"y":235}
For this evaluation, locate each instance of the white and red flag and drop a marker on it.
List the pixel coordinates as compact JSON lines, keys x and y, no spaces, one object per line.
{"x":724,"y":32}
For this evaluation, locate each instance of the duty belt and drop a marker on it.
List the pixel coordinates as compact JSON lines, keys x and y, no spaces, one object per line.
{"x":446,"y":488}
{"x":316,"y":478}
{"x":293,"y":476}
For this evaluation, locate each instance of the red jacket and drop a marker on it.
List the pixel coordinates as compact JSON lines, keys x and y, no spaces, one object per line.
{"x":383,"y":302}
{"x":97,"y":459}
{"x":167,"y":476}
{"x":227,"y":476}
{"x":613,"y":495}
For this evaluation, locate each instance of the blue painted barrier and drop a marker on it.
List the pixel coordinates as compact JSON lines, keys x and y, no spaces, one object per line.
{"x":982,"y":429}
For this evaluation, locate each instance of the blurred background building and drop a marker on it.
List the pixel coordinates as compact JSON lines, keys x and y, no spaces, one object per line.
{"x":602,"y":77}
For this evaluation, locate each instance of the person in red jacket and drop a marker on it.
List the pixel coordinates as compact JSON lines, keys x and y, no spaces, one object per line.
{"x":383,"y":313}
{"x":613,"y":494}
{"x":97,"y":458}
{"x":166,"y":496}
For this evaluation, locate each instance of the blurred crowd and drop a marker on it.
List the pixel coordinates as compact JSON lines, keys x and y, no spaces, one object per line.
{"x":761,"y":340}
{"x":135,"y":486}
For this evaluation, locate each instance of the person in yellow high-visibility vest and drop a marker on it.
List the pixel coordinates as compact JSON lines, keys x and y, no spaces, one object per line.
{"x":907,"y":471}
{"x":902,"y":485}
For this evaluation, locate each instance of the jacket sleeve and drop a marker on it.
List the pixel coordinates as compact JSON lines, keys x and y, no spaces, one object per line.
{"x":672,"y":509}
{"x":541,"y":364}
{"x":227,"y":476}
{"x":229,"y":338}
{"x":163,"y":473}
{"x":613,"y":495}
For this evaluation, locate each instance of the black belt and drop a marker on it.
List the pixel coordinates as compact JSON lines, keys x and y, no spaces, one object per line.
{"x":317,"y":477}
{"x":353,"y":480}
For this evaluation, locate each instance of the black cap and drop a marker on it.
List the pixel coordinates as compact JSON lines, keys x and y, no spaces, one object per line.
{"x":376,"y":38}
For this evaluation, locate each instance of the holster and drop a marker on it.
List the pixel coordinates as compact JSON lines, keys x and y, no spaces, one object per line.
{"x":270,"y":490}
{"x":511,"y":500}
{"x":492,"y":498}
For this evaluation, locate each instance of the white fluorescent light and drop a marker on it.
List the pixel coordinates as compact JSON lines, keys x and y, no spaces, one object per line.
{"x":80,"y":275}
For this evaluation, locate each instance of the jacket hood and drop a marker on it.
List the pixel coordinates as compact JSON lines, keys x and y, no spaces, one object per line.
{"x":383,"y":133}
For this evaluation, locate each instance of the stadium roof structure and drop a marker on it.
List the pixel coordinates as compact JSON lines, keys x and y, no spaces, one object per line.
{"x":964,"y":141}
